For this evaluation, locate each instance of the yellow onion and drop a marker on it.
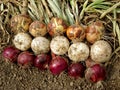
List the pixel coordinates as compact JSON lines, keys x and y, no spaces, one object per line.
{"x":75,"y":33}
{"x":94,"y":31}
{"x":22,"y":41}
{"x":37,"y":28}
{"x":20,"y":23}
{"x":56,"y":26}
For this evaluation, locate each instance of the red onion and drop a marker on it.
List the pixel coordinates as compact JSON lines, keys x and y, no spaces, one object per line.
{"x":25,"y":59}
{"x":42,"y":61}
{"x":10,"y":53}
{"x":76,"y":70}
{"x":95,"y":73}
{"x":58,"y":65}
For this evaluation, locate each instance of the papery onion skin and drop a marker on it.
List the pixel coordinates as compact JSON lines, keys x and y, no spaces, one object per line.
{"x":59,"y":45}
{"x":42,"y":61}
{"x":38,"y":28}
{"x":40,"y":45}
{"x":56,"y":27}
{"x":22,"y":41}
{"x":75,"y":33}
{"x":78,"y":52}
{"x":101,"y":51}
{"x":25,"y":59}
{"x":95,"y":73}
{"x":58,"y":65}
{"x":20,"y":23}
{"x":10,"y":53}
{"x":95,"y":31}
{"x":76,"y":70}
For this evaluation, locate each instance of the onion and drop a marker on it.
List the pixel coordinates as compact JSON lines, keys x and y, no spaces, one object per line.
{"x":94,"y":31}
{"x":22,"y":41}
{"x":10,"y":53}
{"x":58,"y":65}
{"x":37,"y":28}
{"x":59,"y":45}
{"x":78,"y":52}
{"x":42,"y":61}
{"x":76,"y":70}
{"x":101,"y":51}
{"x":40,"y":45}
{"x":95,"y":73}
{"x":25,"y":59}
{"x":75,"y":33}
{"x":20,"y":23}
{"x":56,"y":26}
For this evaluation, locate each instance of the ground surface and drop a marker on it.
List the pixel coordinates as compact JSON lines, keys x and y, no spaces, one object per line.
{"x":12,"y":77}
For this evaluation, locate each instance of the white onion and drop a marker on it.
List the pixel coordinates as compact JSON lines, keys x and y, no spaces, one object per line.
{"x":101,"y":51}
{"x":59,"y":45}
{"x":40,"y":45}
{"x":78,"y":52}
{"x":22,"y":41}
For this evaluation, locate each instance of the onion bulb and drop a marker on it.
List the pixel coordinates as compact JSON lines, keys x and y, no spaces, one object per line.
{"x":37,"y":28}
{"x":78,"y":52}
{"x":76,"y":70}
{"x":56,"y":26}
{"x":20,"y":23}
{"x":94,"y":31}
{"x":25,"y":59}
{"x":10,"y":53}
{"x":42,"y":61}
{"x":101,"y":51}
{"x":95,"y":73}
{"x":59,"y":45}
{"x":75,"y":33}
{"x":22,"y":41}
{"x":40,"y":45}
{"x":58,"y":65}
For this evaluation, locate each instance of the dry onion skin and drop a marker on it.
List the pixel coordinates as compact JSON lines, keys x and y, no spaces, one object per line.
{"x":38,"y":28}
{"x":59,"y":45}
{"x":56,"y":27}
{"x":40,"y":45}
{"x":75,"y":33}
{"x":95,"y":31}
{"x":78,"y":52}
{"x":101,"y":51}
{"x":20,"y":23}
{"x":22,"y":41}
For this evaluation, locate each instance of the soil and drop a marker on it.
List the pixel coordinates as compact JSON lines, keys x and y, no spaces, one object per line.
{"x":12,"y":77}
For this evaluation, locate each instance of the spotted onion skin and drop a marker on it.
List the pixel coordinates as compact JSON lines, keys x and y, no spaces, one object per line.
{"x":59,"y":45}
{"x":78,"y":52}
{"x":37,"y":28}
{"x":56,"y":27}
{"x":22,"y":41}
{"x":95,"y":73}
{"x":20,"y":23}
{"x":75,"y":33}
{"x":101,"y":51}
{"x":95,"y":31}
{"x":40,"y":45}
